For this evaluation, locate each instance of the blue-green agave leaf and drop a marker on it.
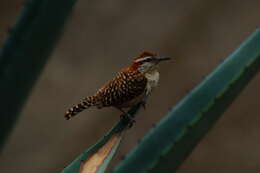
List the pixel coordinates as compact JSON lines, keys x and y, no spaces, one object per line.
{"x":175,"y":136}
{"x":25,"y":53}
{"x":76,"y":165}
{"x":98,"y":161}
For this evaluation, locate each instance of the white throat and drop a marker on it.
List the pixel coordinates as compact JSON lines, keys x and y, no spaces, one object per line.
{"x":152,"y":80}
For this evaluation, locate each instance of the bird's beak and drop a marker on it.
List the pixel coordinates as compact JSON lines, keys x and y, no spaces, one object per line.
{"x":163,"y":58}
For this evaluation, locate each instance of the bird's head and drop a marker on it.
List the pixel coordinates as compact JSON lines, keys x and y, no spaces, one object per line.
{"x":147,"y":61}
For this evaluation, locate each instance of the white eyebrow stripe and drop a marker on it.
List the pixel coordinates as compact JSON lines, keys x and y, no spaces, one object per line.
{"x":142,"y":59}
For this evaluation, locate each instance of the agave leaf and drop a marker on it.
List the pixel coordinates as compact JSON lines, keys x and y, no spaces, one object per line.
{"x":25,"y":53}
{"x":106,"y":145}
{"x":175,"y":136}
{"x":98,"y":161}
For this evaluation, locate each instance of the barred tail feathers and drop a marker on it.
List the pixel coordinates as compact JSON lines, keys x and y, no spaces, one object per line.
{"x":85,"y":103}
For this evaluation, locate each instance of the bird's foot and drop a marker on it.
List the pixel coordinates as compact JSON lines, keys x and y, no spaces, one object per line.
{"x":129,"y":119}
{"x":143,"y":104}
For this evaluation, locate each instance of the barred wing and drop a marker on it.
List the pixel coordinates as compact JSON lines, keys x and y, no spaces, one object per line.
{"x":126,"y":86}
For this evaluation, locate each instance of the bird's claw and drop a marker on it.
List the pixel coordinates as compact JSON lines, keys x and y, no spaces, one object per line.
{"x":129,"y":119}
{"x":143,"y":104}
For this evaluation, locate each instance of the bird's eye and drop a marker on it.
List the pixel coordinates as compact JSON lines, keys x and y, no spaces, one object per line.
{"x":148,"y":59}
{"x":144,"y":59}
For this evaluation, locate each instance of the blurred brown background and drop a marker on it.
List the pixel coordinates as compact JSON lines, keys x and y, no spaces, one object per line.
{"x":100,"y":38}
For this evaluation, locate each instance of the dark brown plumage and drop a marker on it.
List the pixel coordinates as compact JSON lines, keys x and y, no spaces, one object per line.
{"x":130,"y":86}
{"x":120,"y":92}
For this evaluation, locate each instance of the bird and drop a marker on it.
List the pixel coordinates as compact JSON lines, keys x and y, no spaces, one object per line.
{"x":131,"y":85}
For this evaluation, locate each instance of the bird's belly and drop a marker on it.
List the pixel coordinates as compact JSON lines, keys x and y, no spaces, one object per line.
{"x":132,"y":102}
